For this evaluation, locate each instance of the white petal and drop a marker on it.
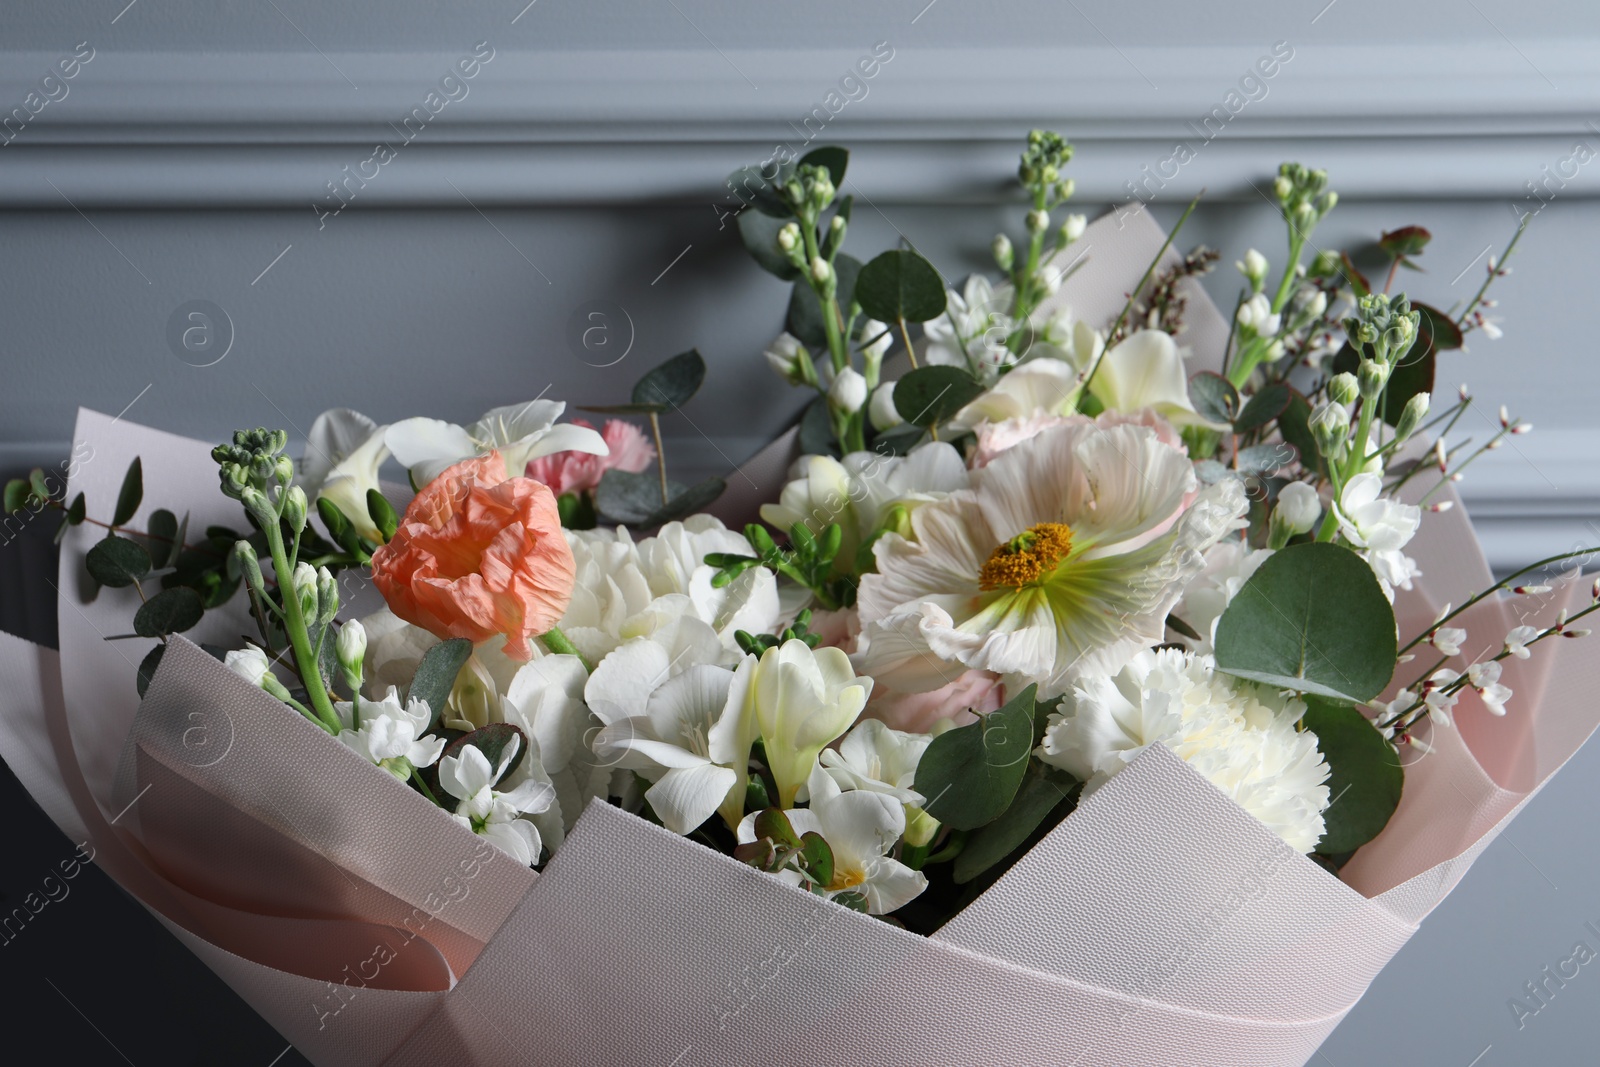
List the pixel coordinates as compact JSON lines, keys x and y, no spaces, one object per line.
{"x":566,"y":437}
{"x":685,"y":797}
{"x":334,"y":435}
{"x":418,"y":441}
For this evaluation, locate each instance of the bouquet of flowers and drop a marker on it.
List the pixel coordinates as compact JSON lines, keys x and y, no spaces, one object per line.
{"x":1093,"y":678}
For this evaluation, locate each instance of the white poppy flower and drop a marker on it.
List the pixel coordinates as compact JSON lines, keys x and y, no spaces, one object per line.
{"x":519,"y":432}
{"x":1064,"y":557}
{"x":1240,"y":736}
{"x":494,"y":815}
{"x":693,"y":742}
{"x":388,"y":734}
{"x":878,"y":759}
{"x":861,"y":827}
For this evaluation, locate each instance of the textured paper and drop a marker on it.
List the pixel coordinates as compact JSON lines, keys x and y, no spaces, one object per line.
{"x":1159,"y":924}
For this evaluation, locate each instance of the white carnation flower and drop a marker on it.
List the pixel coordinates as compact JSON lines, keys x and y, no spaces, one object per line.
{"x":1241,"y":737}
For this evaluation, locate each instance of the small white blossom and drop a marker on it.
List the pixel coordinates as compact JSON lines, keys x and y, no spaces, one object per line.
{"x":1517,"y":640}
{"x":848,"y":393}
{"x":389,"y":735}
{"x":494,"y":815}
{"x":249,"y":663}
{"x":1256,"y":314}
{"x":1485,"y":678}
{"x":1447,"y":639}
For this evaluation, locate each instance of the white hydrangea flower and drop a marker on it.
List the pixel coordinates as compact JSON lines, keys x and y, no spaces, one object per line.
{"x":1240,"y":736}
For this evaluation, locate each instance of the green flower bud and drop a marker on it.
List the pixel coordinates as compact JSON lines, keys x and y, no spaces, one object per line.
{"x":1065,"y":189}
{"x":294,"y":508}
{"x":1004,"y":254}
{"x":1330,"y":425}
{"x":921,"y":827}
{"x":1371,"y":378}
{"x":1343,"y":389}
{"x":1411,"y":416}
{"x":249,"y":566}
{"x":285,"y":470}
{"x":303,"y":587}
{"x":789,"y":237}
{"x":1038,"y":221}
{"x":259,"y":507}
{"x":350,"y":649}
{"x":327,"y":596}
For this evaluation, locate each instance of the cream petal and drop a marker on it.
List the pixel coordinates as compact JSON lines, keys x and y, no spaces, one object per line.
{"x":335,"y":434}
{"x":685,"y":797}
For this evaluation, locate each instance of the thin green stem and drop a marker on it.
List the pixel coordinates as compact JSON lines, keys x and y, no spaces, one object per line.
{"x":294,"y":624}
{"x":1503,"y":583}
{"x":416,"y":777}
{"x":1128,"y":307}
{"x":1477,"y":298}
{"x":558,"y":643}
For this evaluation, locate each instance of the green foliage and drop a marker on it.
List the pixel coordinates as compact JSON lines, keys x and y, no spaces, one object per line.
{"x":809,"y":560}
{"x":759,"y":232}
{"x":756,"y":644}
{"x":1314,"y":619}
{"x":778,"y":847}
{"x":928,"y":396}
{"x":1046,"y":793}
{"x":834,"y":157}
{"x":1214,"y":397}
{"x":171,"y":611}
{"x":147,"y":668}
{"x":1266,"y":405}
{"x":971,"y":774}
{"x":436,"y":675}
{"x":382,"y":514}
{"x":117,"y":562}
{"x":131,"y":495}
{"x":634,"y":499}
{"x":900,"y":285}
{"x":805,"y":307}
{"x":1365,"y":777}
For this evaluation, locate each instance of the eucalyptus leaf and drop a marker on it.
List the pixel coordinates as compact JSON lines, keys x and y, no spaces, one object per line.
{"x":171,"y":611}
{"x":832,"y":156}
{"x":1365,"y":778}
{"x":1214,"y":397}
{"x":117,"y":562}
{"x":970,"y":774}
{"x":16,"y":495}
{"x":1263,"y":407}
{"x":1314,"y":619}
{"x":147,"y":669}
{"x":131,"y":495}
{"x":436,"y":675}
{"x":77,"y":511}
{"x":630,"y":497}
{"x":930,"y":395}
{"x":754,"y":188}
{"x":161,"y":536}
{"x":1295,"y":426}
{"x":1266,"y":457}
{"x":900,"y":284}
{"x":816,"y":430}
{"x":1043,"y":791}
{"x":759,"y":232}
{"x":817,"y":857}
{"x":673,"y":383}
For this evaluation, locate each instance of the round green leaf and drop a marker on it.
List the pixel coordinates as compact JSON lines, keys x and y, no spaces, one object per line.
{"x":131,"y":494}
{"x":1044,"y":791}
{"x":900,"y":284}
{"x":147,"y":668}
{"x":77,"y":511}
{"x":759,"y":232}
{"x":1214,"y":397}
{"x":1365,"y":778}
{"x":117,"y":562}
{"x":1263,"y":407}
{"x":970,"y":774}
{"x":1314,"y":619}
{"x":161,"y":534}
{"x":170,"y":611}
{"x":929,"y":395}
{"x":16,"y":495}
{"x":673,"y":383}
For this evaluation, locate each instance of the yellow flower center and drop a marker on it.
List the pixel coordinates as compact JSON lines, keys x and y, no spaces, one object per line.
{"x":846,"y":879}
{"x":1027,"y":557}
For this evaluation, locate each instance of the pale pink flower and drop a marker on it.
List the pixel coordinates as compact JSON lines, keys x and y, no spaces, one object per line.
{"x":580,"y":472}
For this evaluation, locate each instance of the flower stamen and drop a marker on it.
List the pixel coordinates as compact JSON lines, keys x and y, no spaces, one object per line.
{"x":1027,"y":558}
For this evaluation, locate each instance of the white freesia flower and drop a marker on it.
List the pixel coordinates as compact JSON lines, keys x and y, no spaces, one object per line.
{"x":1518,"y":639}
{"x":519,"y":432}
{"x":1042,"y":386}
{"x":803,"y":698}
{"x":693,"y":742}
{"x":344,"y":452}
{"x":388,"y":734}
{"x":1241,"y":737}
{"x":1380,"y":527}
{"x":626,"y":589}
{"x":876,"y":758}
{"x":1064,"y":557}
{"x":861,"y":827}
{"x":858,"y":491}
{"x":492,"y":814}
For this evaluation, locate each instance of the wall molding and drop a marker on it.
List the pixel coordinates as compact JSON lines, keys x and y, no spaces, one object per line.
{"x":269,"y":129}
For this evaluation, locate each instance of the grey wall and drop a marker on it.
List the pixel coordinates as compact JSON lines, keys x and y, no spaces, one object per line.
{"x":186,"y":160}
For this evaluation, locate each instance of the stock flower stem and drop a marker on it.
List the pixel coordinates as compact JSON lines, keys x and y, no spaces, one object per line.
{"x":294,"y":624}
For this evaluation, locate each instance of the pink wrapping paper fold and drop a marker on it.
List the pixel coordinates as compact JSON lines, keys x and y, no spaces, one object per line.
{"x":1158,"y":924}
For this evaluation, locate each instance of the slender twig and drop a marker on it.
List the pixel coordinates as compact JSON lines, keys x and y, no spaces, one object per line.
{"x":661,"y":455}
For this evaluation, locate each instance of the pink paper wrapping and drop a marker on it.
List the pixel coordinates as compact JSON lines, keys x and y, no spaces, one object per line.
{"x":1159,"y":924}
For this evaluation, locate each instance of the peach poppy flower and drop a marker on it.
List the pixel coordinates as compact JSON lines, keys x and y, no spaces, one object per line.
{"x":479,"y":554}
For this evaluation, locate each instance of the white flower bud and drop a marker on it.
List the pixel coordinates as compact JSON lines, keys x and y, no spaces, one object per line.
{"x":1298,"y":507}
{"x":875,"y":339}
{"x":1073,"y":228}
{"x":820,"y":270}
{"x":1411,"y":417}
{"x":1038,"y":221}
{"x":1343,"y":388}
{"x":304,"y":588}
{"x":848,"y":392}
{"x":1254,"y":268}
{"x":327,"y":596}
{"x":790,"y":360}
{"x":1256,"y":315}
{"x":249,"y":663}
{"x":789,"y":237}
{"x":882,"y":412}
{"x":351,"y":649}
{"x":1004,"y":254}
